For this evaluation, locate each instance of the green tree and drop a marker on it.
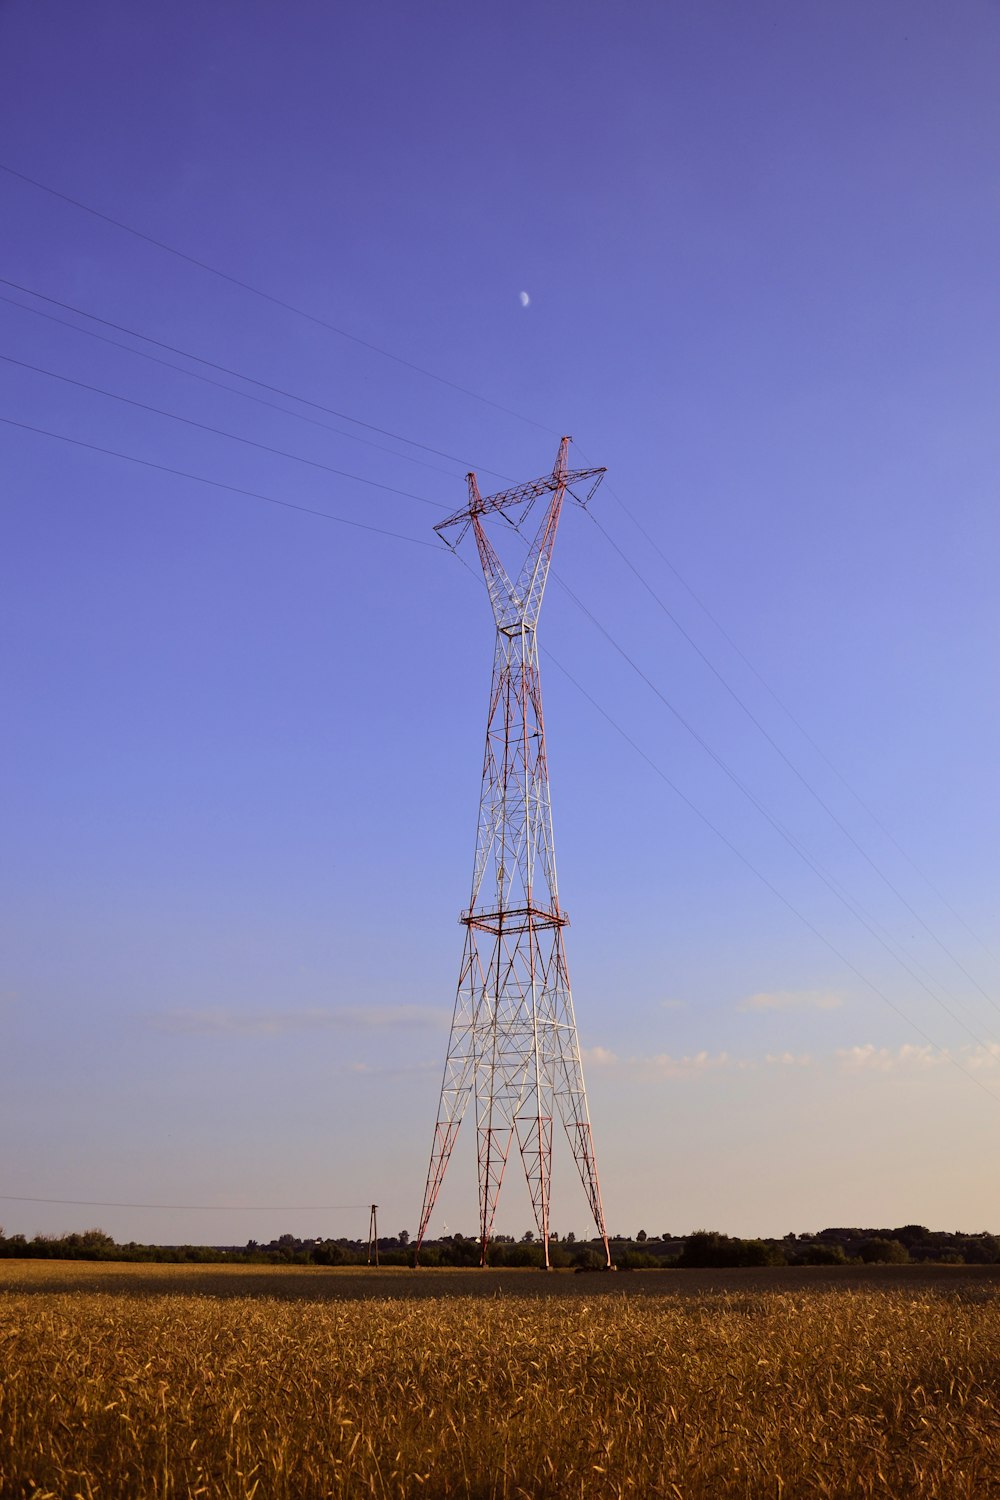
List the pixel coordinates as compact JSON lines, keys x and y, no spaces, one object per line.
{"x":981,"y":1250}
{"x":881,"y":1251}
{"x":820,"y":1255}
{"x":707,"y":1247}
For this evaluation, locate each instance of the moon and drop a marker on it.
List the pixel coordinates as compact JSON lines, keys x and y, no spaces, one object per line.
{"x":525,"y":299}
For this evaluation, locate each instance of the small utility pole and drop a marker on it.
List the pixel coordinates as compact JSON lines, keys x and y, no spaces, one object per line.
{"x":373,"y":1234}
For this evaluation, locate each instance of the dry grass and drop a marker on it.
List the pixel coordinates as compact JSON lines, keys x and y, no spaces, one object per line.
{"x":831,"y":1392}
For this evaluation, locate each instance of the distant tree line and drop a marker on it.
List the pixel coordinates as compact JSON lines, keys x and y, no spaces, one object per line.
{"x":706,"y":1248}
{"x":910,"y":1243}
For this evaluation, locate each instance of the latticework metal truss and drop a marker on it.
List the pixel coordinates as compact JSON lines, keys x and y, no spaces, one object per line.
{"x":513,"y":1044}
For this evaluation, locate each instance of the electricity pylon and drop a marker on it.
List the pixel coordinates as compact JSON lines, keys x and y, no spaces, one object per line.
{"x":513,"y":1043}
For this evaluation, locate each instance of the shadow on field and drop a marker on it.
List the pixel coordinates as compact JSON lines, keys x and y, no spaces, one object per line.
{"x":320,"y":1284}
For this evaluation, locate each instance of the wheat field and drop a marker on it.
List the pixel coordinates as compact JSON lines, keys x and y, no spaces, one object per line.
{"x":111,"y":1390}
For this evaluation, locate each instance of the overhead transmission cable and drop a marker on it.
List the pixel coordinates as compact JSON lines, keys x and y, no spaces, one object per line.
{"x":474,"y":395}
{"x":325,"y":515}
{"x":735,"y":646}
{"x":233,"y":489}
{"x":167,"y":364}
{"x":419,"y":369}
{"x":210,"y":364}
{"x":214,"y":1208}
{"x":203,"y":265}
{"x":257,"y":291}
{"x":832,"y":885}
{"x":610,"y":539}
{"x":219,"y":432}
{"x":852,"y":905}
{"x":753,"y":868}
{"x":818,"y":798}
{"x":831,"y":946}
{"x":779,"y":751}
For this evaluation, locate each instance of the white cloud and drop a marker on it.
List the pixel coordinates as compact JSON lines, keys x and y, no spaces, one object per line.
{"x":871,"y":1059}
{"x":524,"y":299}
{"x":598,"y":1057}
{"x":376,"y":1070}
{"x":217,"y":1021}
{"x":673,"y":1004}
{"x":660,"y":1063}
{"x":913,"y":1058}
{"x":765,"y":1000}
{"x":982,"y":1057}
{"x":910,"y":1058}
{"x":692,"y":1064}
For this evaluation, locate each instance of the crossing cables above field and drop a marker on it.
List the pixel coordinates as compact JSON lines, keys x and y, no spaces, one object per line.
{"x":735,"y":646}
{"x":754,"y":869}
{"x":227,"y":370}
{"x":235,"y":1208}
{"x":817,"y":797}
{"x":233,"y":489}
{"x":269,"y":296}
{"x":300,"y":312}
{"x":218,"y":431}
{"x":622,"y":732}
{"x":868,"y":922}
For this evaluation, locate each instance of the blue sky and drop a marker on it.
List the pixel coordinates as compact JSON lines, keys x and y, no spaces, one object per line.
{"x":243,"y":743}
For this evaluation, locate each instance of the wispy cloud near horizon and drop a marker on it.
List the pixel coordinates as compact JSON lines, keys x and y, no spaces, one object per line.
{"x":769,"y":1000}
{"x":692,"y":1064}
{"x":379,"y":1070}
{"x":221,"y":1021}
{"x":911,"y":1057}
{"x":908,"y":1058}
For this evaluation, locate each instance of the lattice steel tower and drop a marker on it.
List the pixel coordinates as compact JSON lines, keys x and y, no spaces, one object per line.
{"x":513,"y":1042}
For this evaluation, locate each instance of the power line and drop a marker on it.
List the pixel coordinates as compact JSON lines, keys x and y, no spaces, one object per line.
{"x":300,"y":312}
{"x":793,"y":843}
{"x":784,"y":832}
{"x":773,"y":743}
{"x":799,"y":725}
{"x":218,"y":431}
{"x":148,"y":463}
{"x":453,"y":385}
{"x":870,"y":984}
{"x":215,"y":1208}
{"x":704,"y":818}
{"x":210,"y":364}
{"x":659,"y":600}
{"x":220,"y":385}
{"x":791,"y":764}
{"x":269,"y":297}
{"x":747,"y":862}
{"x":854,"y":907}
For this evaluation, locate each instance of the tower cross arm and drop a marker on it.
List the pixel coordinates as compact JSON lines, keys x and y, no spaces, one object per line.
{"x":521,"y":494}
